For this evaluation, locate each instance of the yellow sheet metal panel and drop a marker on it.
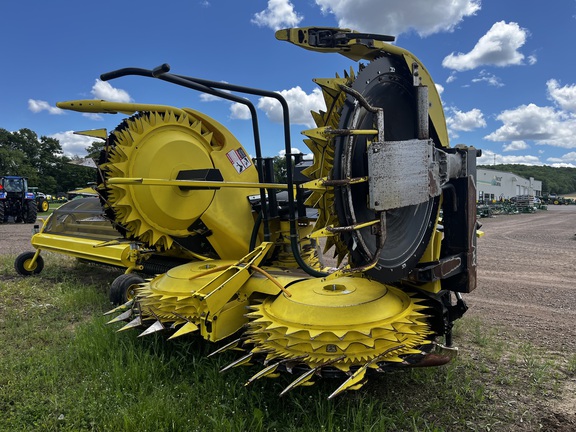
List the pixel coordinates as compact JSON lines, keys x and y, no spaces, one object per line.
{"x":229,"y":216}
{"x":117,"y":255}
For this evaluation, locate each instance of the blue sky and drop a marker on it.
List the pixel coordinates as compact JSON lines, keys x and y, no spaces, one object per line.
{"x":505,"y":68}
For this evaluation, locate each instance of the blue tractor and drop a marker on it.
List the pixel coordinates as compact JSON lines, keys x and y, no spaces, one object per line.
{"x":16,"y":201}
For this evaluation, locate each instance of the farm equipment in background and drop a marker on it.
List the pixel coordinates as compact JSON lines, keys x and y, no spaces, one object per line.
{"x":42,"y":203}
{"x":557,"y":200}
{"x":174,"y":180}
{"x":88,"y":191}
{"x":514,"y":205}
{"x":16,"y":201}
{"x":524,"y":203}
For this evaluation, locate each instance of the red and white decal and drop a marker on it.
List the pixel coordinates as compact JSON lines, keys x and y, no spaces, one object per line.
{"x":239,"y":159}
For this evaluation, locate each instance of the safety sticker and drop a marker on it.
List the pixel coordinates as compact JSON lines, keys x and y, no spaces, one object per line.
{"x":239,"y":159}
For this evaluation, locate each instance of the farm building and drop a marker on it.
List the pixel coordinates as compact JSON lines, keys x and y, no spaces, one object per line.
{"x":497,"y":185}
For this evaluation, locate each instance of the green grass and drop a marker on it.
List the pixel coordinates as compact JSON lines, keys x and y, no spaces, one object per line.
{"x":571,"y":368}
{"x":63,"y":369}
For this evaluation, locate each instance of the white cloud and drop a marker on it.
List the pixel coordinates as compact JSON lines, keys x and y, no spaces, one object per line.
{"x":543,"y":125}
{"x":278,"y":14}
{"x":100,"y":90}
{"x":72,"y":144}
{"x":465,"y":121}
{"x":564,"y":97}
{"x":396,"y":17}
{"x":515,"y":145}
{"x":294,"y":150}
{"x":451,"y":78}
{"x":490,"y":79}
{"x":439,"y":88}
{"x":207,"y":97}
{"x":498,"y":47}
{"x":300,"y":104}
{"x":490,"y":158}
{"x":562,"y":165}
{"x":567,"y":158}
{"x":555,"y":126}
{"x":521,"y":160}
{"x":103,"y":90}
{"x":487,"y":158}
{"x":93,"y":116}
{"x":239,"y":111}
{"x":37,"y":106}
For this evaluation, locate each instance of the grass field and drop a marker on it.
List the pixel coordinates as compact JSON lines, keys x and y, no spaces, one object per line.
{"x":63,"y":369}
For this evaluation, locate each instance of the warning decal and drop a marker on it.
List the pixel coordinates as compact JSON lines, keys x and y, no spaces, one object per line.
{"x":239,"y":159}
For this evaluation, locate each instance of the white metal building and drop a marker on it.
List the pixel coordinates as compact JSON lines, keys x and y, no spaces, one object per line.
{"x":494,"y":185}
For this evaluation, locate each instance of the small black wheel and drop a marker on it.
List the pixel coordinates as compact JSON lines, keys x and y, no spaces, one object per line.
{"x":43,"y":205}
{"x":23,"y":264}
{"x":123,"y":288}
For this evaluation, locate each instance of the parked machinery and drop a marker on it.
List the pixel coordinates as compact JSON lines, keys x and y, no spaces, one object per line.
{"x":382,"y":174}
{"x":16,"y":200}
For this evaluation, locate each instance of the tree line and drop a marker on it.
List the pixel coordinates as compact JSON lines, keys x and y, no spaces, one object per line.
{"x":558,"y":181}
{"x":42,"y":161}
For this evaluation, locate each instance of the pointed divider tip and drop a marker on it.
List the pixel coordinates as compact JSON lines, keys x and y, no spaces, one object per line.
{"x":231,"y":345}
{"x":357,"y":379}
{"x":354,"y":382}
{"x":303,"y":379}
{"x":136,"y":322}
{"x":267,"y":371}
{"x":242,"y":361}
{"x":122,"y":317}
{"x":156,"y":327}
{"x":186,"y":328}
{"x":120,"y":308}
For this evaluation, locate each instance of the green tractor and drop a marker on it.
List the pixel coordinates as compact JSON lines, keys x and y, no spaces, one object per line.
{"x":16,"y":201}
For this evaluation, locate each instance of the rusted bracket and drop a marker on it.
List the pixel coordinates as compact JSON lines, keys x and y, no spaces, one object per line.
{"x":442,"y":269}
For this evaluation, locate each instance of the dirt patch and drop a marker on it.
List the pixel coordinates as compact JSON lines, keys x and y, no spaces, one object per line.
{"x":526,"y":274}
{"x":15,"y":238}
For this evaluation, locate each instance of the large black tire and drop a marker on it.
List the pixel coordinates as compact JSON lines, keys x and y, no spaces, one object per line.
{"x":31,"y":212}
{"x":2,"y":212}
{"x":23,"y":267}
{"x":122,"y":288}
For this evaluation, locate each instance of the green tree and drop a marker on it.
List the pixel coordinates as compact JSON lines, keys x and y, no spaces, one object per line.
{"x":279,"y":164}
{"x":14,"y":160}
{"x":41,"y":160}
{"x":94,"y":149}
{"x":71,"y":176}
